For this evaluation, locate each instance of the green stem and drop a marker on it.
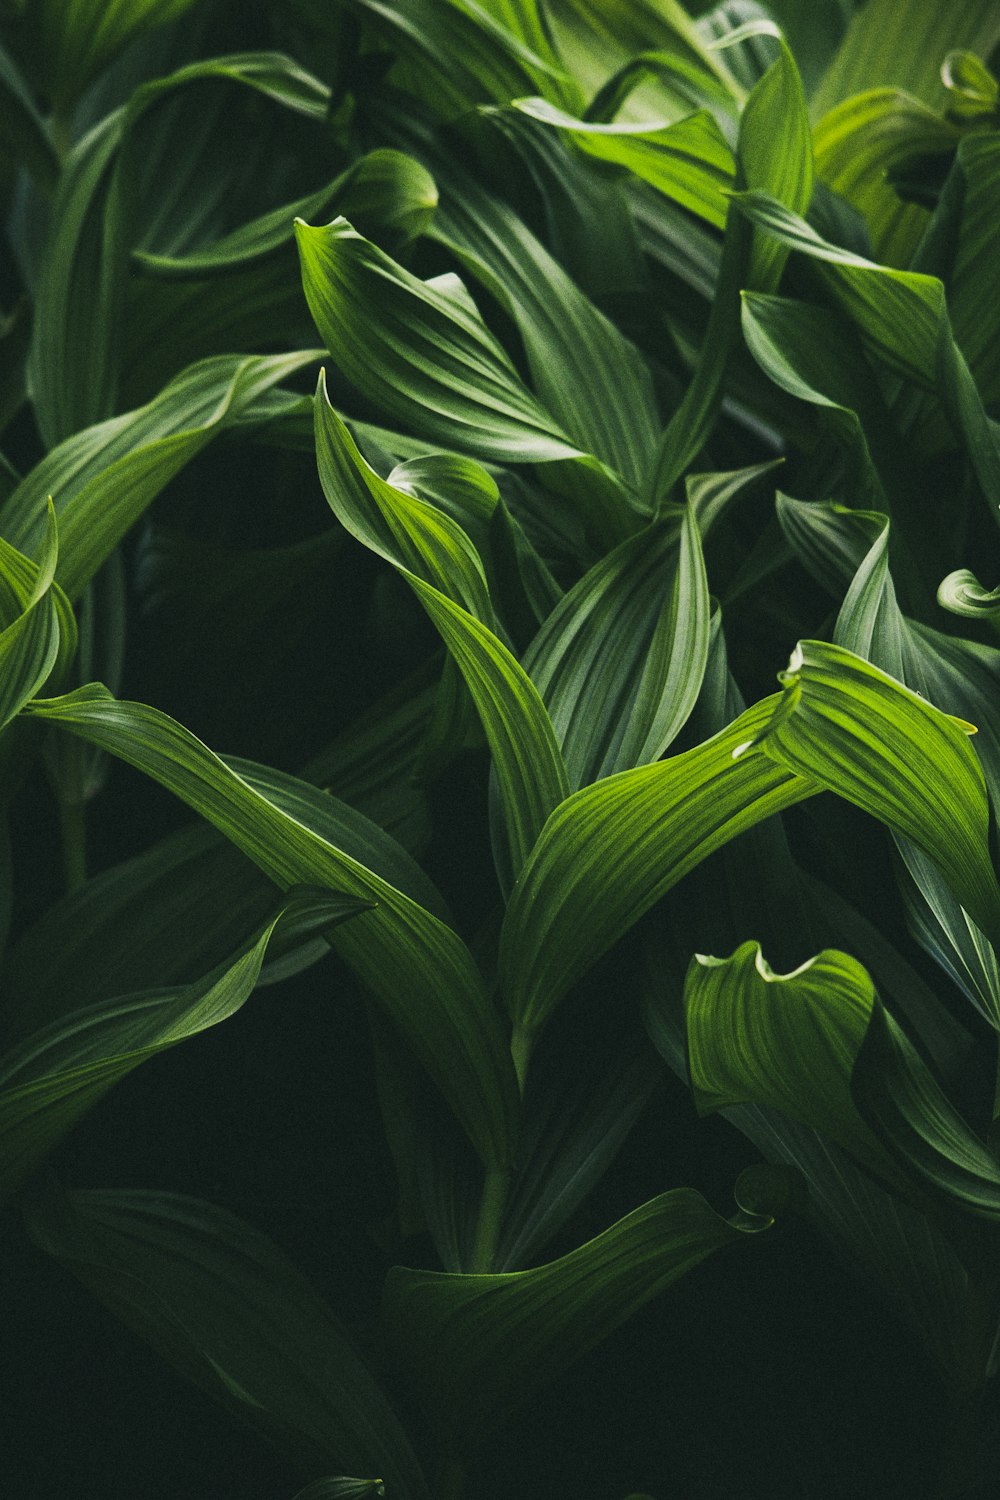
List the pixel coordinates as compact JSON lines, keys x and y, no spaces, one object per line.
{"x":73,"y":818}
{"x":491,"y":1207}
{"x":522,"y":1045}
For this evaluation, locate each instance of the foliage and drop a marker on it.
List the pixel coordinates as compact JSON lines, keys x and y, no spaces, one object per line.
{"x":461,"y":412}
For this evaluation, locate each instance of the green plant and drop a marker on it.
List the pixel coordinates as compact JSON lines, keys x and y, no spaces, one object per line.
{"x":633,"y":355}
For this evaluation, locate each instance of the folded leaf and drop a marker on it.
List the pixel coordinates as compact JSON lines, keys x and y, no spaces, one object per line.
{"x":788,"y":1041}
{"x":226,"y":1308}
{"x":863,"y":735}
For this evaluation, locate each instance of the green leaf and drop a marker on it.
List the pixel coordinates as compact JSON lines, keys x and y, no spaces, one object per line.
{"x":78,"y":38}
{"x":620,"y":660}
{"x":904,"y":46}
{"x":226,"y":1308}
{"x":416,"y":966}
{"x":586,"y":373}
{"x":341,"y":1489}
{"x":774,"y":154}
{"x":861,"y":141}
{"x":103,"y":478}
{"x":57,"y":1075}
{"x":851,"y":727}
{"x":963,"y":594}
{"x":613,"y":849}
{"x":486,"y":1343}
{"x":902,"y":318}
{"x":902,"y":1102}
{"x":436,"y":558}
{"x":42,"y":634}
{"x":787,"y":1041}
{"x":386,"y":188}
{"x":427,"y":358}
{"x":79,"y":329}
{"x":815,"y":356}
{"x":460,"y":53}
{"x":689,"y":161}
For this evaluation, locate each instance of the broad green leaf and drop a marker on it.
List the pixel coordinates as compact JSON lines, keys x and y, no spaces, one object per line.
{"x":386,"y":188}
{"x":485,"y":1343}
{"x":774,"y":148}
{"x":579,"y":1109}
{"x":225,"y":1306}
{"x":42,"y":633}
{"x":854,"y":729}
{"x":814,"y":355}
{"x":585,"y":372}
{"x":79,"y":328}
{"x":914,"y":1119}
{"x":417,"y":967}
{"x":595,"y":37}
{"x":787,"y":1041}
{"x":902,"y":318}
{"x":460,"y":53}
{"x":426,"y":358}
{"x":438,"y":561}
{"x":78,"y":38}
{"x":620,"y":660}
{"x":904,"y":46}
{"x":103,"y":478}
{"x":57,"y":1075}
{"x":860,"y":141}
{"x":689,"y":161}
{"x":975,"y":321}
{"x":613,"y":849}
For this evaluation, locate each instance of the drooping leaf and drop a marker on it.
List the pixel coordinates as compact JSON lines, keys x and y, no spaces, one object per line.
{"x":902,"y":1102}
{"x":485,"y":1343}
{"x":437,"y":559}
{"x":851,"y":727}
{"x":688,"y":161}
{"x":225,"y":1306}
{"x":22,"y":131}
{"x":56,"y":1076}
{"x":77,"y":38}
{"x":415,"y":965}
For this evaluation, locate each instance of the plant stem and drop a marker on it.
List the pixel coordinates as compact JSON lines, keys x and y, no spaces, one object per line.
{"x":491,"y":1207}
{"x":521,"y":1047}
{"x":73,"y":819}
